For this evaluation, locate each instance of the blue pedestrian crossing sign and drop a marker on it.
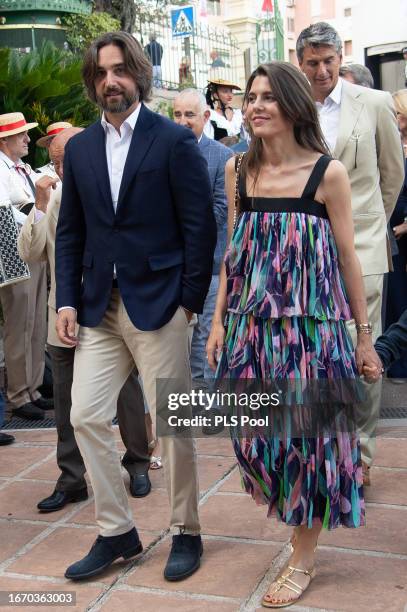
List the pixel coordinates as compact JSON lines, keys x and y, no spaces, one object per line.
{"x":182,"y":21}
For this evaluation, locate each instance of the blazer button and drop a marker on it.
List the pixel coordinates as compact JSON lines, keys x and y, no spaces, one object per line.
{"x":116,"y":230}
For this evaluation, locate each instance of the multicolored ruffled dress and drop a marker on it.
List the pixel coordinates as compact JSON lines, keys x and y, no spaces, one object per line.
{"x":286,"y":319}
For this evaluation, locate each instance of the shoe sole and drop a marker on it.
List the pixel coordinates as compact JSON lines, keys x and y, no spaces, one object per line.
{"x":71,"y":501}
{"x":186,"y":574}
{"x":128,"y":555}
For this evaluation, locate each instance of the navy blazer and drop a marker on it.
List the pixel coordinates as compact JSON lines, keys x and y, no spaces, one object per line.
{"x":161,"y":239}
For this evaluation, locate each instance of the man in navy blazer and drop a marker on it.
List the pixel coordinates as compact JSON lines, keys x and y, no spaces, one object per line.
{"x":134,"y":250}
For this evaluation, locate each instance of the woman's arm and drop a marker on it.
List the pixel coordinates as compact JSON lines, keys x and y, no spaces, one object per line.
{"x":217,"y":335}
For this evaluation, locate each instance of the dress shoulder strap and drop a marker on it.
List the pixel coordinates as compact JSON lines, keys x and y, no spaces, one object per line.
{"x":316,"y":176}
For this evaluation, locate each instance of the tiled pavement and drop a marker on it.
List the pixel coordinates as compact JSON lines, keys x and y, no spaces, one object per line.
{"x":358,"y":570}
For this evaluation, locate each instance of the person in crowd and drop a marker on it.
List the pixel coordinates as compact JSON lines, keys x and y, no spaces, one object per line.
{"x":224,"y":120}
{"x":134,"y":248}
{"x":390,"y":346}
{"x":23,"y":303}
{"x":361,"y":75}
{"x":216,"y":60}
{"x":44,"y":142}
{"x":191,"y":111}
{"x":357,"y":74}
{"x":5,"y":439}
{"x":155,"y":52}
{"x":404,"y":52}
{"x":243,"y":145}
{"x":36,"y":242}
{"x":360,"y":128}
{"x":284,"y":319}
{"x":397,"y":283}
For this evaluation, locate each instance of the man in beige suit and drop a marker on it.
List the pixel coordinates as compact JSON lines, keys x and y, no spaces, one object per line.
{"x":359,"y":126}
{"x":24,"y":303}
{"x":36,"y":242}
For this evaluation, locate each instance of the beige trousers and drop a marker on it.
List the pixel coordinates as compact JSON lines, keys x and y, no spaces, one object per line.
{"x":367,"y":422}
{"x":103,"y":360}
{"x":25,"y":329}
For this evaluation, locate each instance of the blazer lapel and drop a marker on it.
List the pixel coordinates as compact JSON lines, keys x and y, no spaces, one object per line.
{"x":142,"y":139}
{"x":351,"y":108}
{"x":98,"y":161}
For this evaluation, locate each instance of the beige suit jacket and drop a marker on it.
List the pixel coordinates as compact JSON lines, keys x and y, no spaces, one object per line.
{"x":369,"y":146}
{"x":36,"y":242}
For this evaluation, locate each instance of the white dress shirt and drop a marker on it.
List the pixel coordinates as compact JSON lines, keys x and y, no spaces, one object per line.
{"x":329,"y":115}
{"x":20,"y":176}
{"x":232,"y":127}
{"x":6,"y":167}
{"x":117,"y":148}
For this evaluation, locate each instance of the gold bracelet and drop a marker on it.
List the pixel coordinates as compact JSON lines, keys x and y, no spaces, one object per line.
{"x":364,"y":328}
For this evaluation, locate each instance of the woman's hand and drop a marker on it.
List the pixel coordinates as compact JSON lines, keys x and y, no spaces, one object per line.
{"x":215,"y":343}
{"x":227,"y":112}
{"x":367,"y":360}
{"x":400,"y":230}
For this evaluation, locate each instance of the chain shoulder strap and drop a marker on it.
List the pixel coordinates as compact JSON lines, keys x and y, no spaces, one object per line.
{"x":237,"y":198}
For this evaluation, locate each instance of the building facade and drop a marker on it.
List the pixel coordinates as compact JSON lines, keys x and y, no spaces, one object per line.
{"x":372,"y":34}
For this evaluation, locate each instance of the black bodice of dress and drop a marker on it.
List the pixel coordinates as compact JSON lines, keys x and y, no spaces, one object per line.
{"x":306,"y":203}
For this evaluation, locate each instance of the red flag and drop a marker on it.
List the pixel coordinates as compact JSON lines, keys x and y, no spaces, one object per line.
{"x":267,"y":6}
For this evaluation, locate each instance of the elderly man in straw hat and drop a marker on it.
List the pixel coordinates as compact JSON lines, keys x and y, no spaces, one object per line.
{"x":44,"y":142}
{"x":24,"y":303}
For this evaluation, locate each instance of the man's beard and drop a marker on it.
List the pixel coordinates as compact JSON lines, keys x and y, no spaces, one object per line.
{"x":121,"y":106}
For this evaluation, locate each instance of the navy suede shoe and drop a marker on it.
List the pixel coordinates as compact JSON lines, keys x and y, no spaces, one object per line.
{"x":185,"y":557}
{"x":104,"y":551}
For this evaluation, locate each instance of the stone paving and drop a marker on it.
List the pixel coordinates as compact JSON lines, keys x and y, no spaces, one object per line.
{"x":358,"y":570}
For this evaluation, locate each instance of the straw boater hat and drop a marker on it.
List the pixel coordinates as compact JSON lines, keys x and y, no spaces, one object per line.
{"x":52,"y":130}
{"x":400,"y":101}
{"x":14,"y":123}
{"x":224,"y":83}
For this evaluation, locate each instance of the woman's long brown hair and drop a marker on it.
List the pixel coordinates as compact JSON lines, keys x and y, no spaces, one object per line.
{"x":293,"y":94}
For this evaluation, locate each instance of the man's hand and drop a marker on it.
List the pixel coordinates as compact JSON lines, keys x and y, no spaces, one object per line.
{"x":43,"y":192}
{"x":400,"y":230}
{"x":65,"y":326}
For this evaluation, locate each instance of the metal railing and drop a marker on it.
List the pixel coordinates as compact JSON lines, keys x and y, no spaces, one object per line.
{"x":190,"y":61}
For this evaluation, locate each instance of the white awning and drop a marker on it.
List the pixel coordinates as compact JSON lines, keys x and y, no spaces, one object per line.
{"x":389,"y":48}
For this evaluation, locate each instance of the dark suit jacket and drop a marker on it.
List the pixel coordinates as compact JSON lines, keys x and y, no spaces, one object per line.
{"x":161,"y":238}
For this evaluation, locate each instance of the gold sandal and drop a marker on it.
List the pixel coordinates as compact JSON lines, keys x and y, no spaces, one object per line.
{"x":285,"y":581}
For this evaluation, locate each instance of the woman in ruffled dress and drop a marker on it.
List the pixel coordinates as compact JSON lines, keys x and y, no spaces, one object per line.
{"x":282,"y":294}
